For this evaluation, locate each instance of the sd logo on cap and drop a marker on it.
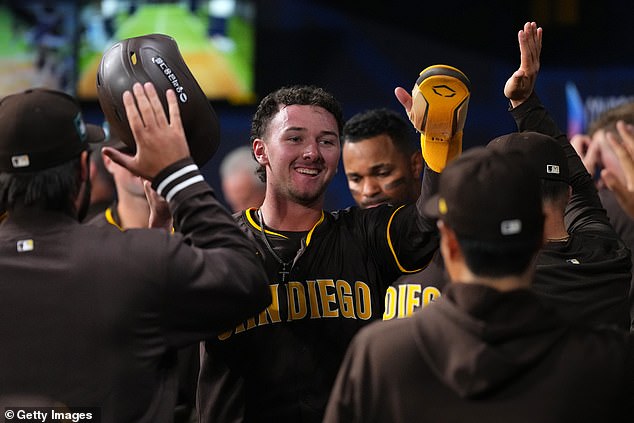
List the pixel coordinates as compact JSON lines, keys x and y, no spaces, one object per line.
{"x":155,"y":58}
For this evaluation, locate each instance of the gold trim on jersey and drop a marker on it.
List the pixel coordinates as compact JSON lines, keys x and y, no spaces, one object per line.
{"x":253,"y":223}
{"x":110,"y":219}
{"x":389,"y":243}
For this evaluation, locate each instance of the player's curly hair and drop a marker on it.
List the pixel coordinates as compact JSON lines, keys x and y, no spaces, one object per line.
{"x":305,"y":95}
{"x":50,"y":189}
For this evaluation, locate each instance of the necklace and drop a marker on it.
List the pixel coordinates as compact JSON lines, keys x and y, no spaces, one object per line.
{"x":283,"y":273}
{"x":563,"y":238}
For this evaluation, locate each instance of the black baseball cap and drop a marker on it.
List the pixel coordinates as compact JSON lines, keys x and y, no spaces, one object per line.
{"x":492,"y":196}
{"x":42,"y":128}
{"x":543,"y":152}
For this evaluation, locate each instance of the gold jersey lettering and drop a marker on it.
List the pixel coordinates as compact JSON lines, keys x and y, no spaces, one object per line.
{"x":402,"y":295}
{"x":390,"y":303}
{"x":297,"y":308}
{"x":312,"y":298}
{"x":346,"y":304}
{"x":326,"y":298}
{"x":364,"y":301}
{"x":251,"y":323}
{"x":271,"y":314}
{"x":225,"y":335}
{"x":430,"y":294}
{"x":319,"y":298}
{"x":413,"y":299}
{"x":403,"y":300}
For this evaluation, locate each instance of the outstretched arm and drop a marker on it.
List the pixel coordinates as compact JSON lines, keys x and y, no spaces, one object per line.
{"x":210,"y":278}
{"x":521,"y":84}
{"x":430,"y":177}
{"x":529,"y":113}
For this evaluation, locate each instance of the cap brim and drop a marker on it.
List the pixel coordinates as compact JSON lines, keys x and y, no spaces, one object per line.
{"x":430,"y":207}
{"x":94,"y":133}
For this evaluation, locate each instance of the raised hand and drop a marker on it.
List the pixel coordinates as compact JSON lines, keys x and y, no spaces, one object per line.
{"x":588,"y":151}
{"x":159,"y":142}
{"x":521,"y":84}
{"x":625,"y":153}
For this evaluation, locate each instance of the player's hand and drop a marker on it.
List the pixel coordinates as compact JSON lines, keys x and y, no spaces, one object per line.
{"x":625,"y":153}
{"x":159,"y":142}
{"x":160,"y":215}
{"x":522,"y":83}
{"x":588,"y":151}
{"x":405,"y":98}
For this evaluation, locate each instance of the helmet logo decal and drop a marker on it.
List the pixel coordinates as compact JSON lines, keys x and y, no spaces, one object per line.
{"x":171,"y":77}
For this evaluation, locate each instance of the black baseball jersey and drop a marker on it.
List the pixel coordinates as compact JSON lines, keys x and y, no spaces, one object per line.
{"x":92,"y":317}
{"x":280,"y":365}
{"x":586,"y":277}
{"x":411,"y":292}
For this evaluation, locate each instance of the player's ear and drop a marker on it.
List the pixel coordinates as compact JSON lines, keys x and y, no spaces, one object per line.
{"x":260,"y":151}
{"x":449,"y":246}
{"x":416,"y":163}
{"x":84,"y":167}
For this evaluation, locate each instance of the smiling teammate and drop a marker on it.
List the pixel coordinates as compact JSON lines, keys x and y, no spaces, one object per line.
{"x":328,"y":270}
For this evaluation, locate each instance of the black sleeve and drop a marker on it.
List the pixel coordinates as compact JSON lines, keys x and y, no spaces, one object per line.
{"x":421,"y":238}
{"x":584,"y":210}
{"x":214,"y":277}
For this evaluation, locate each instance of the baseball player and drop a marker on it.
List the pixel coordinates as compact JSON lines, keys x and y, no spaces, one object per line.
{"x":489,"y":350}
{"x":384,"y":165}
{"x":584,"y":267}
{"x":130,"y":209}
{"x":91,"y":317}
{"x":328,"y":271}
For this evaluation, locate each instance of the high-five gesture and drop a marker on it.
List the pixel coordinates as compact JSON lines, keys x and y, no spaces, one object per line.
{"x":159,"y":142}
{"x":521,"y":84}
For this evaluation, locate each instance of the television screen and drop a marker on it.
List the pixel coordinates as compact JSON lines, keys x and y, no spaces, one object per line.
{"x":215,"y":37}
{"x":37,"y":45}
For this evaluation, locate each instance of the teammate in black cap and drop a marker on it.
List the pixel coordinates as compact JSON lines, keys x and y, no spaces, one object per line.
{"x":584,"y":267}
{"x":488,"y":349}
{"x":91,"y":317}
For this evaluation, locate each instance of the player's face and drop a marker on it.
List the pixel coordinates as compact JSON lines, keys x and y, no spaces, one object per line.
{"x":379,"y":173}
{"x":300,"y":153}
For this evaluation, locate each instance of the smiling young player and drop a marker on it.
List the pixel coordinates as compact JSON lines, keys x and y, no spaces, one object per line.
{"x":328,"y":271}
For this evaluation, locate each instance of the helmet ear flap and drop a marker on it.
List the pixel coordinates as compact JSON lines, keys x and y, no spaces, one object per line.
{"x":155,"y":58}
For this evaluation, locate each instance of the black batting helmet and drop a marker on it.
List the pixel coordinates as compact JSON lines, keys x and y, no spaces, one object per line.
{"x":155,"y":58}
